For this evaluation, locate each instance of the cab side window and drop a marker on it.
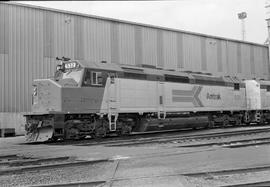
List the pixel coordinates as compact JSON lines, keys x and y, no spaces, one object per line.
{"x":96,"y":78}
{"x":87,"y":78}
{"x":236,"y":86}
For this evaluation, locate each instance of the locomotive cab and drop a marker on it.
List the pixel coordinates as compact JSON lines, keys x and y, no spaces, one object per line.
{"x":77,"y":90}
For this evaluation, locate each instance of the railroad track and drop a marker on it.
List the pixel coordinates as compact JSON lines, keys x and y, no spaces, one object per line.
{"x":20,"y":164}
{"x":251,"y":184}
{"x":180,"y":138}
{"x":75,"y":184}
{"x":234,"y":143}
{"x":148,"y":136}
{"x":26,"y":171}
{"x":210,"y":175}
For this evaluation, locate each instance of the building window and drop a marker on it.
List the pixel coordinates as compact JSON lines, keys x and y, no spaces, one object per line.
{"x":268,"y":88}
{"x":236,"y":86}
{"x":96,"y":78}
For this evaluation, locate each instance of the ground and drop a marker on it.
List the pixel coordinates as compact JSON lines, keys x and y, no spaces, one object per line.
{"x":157,"y":164}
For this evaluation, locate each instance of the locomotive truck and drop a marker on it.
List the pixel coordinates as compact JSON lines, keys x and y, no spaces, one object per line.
{"x":97,"y":99}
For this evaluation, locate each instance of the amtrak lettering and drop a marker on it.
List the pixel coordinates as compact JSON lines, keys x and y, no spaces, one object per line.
{"x":188,"y":96}
{"x":213,"y":96}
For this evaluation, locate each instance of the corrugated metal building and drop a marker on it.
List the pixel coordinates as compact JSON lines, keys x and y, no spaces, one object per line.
{"x":31,"y":37}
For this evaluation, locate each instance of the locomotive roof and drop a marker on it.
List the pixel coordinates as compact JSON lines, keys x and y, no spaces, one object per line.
{"x":99,"y":65}
{"x":153,"y":71}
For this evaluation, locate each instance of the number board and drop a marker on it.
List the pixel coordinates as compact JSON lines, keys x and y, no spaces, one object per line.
{"x":71,"y":65}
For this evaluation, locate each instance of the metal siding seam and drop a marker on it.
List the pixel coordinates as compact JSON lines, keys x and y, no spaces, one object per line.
{"x":16,"y":53}
{"x":88,"y":44}
{"x":264,"y":61}
{"x":160,"y":44}
{"x":6,"y":58}
{"x":2,"y":61}
{"x":149,"y":47}
{"x":227,"y":58}
{"x":127,"y":44}
{"x":6,"y":84}
{"x":34,"y":51}
{"x":4,"y":29}
{"x":31,"y":53}
{"x":138,"y":45}
{"x":267,"y":63}
{"x":203,"y":54}
{"x":25,"y":22}
{"x":78,"y":38}
{"x":40,"y":44}
{"x":180,"y":57}
{"x":252,"y":61}
{"x":219,"y":56}
{"x":48,"y":34}
{"x":114,"y":36}
{"x":239,"y":58}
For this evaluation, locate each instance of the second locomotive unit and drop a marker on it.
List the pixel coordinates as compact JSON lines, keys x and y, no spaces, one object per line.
{"x":97,"y":99}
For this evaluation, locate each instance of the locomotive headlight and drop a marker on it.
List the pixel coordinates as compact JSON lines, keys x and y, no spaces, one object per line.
{"x":58,"y":67}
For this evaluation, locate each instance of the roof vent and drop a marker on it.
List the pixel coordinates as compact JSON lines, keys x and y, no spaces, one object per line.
{"x":170,"y":69}
{"x":148,"y":66}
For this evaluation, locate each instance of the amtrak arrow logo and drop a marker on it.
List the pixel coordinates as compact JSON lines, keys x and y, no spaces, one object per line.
{"x":188,"y":96}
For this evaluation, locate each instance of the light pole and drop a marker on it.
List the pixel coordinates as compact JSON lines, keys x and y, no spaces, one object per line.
{"x":242,"y":16}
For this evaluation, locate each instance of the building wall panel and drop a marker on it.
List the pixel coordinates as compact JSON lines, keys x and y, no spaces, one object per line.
{"x":32,"y":38}
{"x":211,"y":55}
{"x":180,"y":51}
{"x":239,"y":58}
{"x":160,"y":51}
{"x":114,"y":28}
{"x":252,"y":61}
{"x":245,"y":60}
{"x":203,"y":54}
{"x":232,"y":58}
{"x":170,"y":50}
{"x":2,"y":81}
{"x":126,"y":44}
{"x":138,"y":45}
{"x":219,"y":56}
{"x":78,"y":38}
{"x":149,"y":46}
{"x":4,"y":29}
{"x":258,"y":61}
{"x":98,"y":40}
{"x":192,"y":53}
{"x":265,"y":55}
{"x":224,"y":58}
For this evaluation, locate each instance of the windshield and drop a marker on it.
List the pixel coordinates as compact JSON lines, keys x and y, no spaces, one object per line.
{"x":74,"y":74}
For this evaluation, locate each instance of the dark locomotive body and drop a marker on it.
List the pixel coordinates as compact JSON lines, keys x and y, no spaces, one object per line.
{"x":97,"y":99}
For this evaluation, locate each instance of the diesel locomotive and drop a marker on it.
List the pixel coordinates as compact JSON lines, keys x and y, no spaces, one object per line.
{"x":96,"y":99}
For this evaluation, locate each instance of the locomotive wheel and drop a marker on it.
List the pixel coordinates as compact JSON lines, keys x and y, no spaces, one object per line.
{"x":238,"y":121}
{"x":100,"y":132}
{"x":210,"y":125}
{"x":226,"y":122}
{"x":247,"y":118}
{"x":100,"y":129}
{"x":70,"y":132}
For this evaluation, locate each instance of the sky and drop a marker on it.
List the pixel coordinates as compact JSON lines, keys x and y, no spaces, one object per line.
{"x":212,"y":17}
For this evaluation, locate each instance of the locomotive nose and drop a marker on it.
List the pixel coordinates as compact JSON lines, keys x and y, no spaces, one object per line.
{"x":46,"y":96}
